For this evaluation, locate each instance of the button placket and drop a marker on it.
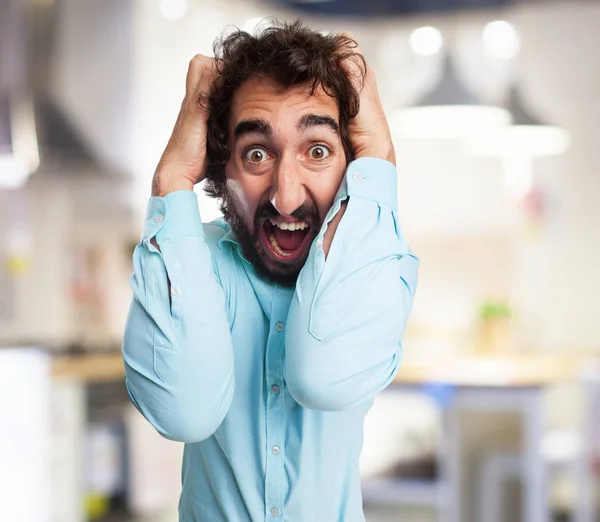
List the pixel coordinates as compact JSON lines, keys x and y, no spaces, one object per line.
{"x":275,"y":412}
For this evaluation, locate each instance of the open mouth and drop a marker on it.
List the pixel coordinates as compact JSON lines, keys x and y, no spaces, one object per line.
{"x":285,"y":242}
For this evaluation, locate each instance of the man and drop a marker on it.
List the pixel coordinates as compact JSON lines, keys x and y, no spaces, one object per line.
{"x":260,"y":340}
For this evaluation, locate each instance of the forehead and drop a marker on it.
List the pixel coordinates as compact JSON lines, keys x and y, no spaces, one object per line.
{"x":263,"y":97}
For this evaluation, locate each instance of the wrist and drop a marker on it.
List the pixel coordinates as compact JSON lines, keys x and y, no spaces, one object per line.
{"x":386,"y":153}
{"x":164,"y":184}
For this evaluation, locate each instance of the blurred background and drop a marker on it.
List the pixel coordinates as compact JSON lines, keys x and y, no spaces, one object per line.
{"x":494,"y":109}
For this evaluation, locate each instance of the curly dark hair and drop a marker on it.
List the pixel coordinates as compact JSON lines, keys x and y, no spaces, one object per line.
{"x":292,"y":54}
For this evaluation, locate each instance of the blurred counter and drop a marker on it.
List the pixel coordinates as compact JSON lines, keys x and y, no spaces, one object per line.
{"x":511,"y":370}
{"x":89,"y":368}
{"x":515,"y":370}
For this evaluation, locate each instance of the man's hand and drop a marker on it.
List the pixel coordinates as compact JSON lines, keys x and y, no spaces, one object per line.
{"x":183,"y":163}
{"x":369,"y":130}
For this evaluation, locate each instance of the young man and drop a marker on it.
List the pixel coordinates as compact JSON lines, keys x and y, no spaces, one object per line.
{"x":260,"y":340}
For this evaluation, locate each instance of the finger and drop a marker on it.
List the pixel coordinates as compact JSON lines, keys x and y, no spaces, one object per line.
{"x":193,"y":114}
{"x":202,"y":72}
{"x":194,"y":73}
{"x":205,"y":85}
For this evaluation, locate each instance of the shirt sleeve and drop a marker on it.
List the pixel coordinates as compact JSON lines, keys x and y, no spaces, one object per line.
{"x":349,"y":311}
{"x":177,"y":348}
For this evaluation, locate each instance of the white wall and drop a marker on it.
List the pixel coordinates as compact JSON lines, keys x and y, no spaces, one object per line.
{"x":558,"y":276}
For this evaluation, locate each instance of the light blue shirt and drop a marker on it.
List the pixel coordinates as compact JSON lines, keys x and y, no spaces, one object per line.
{"x":269,"y":386}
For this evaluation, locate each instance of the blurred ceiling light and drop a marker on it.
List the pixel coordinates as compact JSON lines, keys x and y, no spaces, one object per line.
{"x":501,"y":40}
{"x":449,"y":111}
{"x":426,"y":41}
{"x":518,"y":144}
{"x":173,"y":9}
{"x":528,"y":136}
{"x":19,"y":155}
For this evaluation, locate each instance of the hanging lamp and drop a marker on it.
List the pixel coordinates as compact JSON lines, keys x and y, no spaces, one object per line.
{"x":517,"y":145}
{"x":449,"y":111}
{"x":528,"y":136}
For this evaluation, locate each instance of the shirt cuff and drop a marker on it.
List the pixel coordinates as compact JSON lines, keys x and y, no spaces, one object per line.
{"x":371,"y":178}
{"x":173,"y":216}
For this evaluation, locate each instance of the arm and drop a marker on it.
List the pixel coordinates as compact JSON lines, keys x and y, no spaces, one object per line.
{"x":177,"y":347}
{"x":349,"y":312}
{"x":355,"y":293}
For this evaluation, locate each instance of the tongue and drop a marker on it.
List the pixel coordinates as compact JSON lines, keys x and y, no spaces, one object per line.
{"x":289,"y":240}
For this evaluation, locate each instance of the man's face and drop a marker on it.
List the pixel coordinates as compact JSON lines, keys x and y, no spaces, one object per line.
{"x":287,"y":162}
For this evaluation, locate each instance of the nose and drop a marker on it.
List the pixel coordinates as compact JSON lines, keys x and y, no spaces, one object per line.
{"x":287,"y":190}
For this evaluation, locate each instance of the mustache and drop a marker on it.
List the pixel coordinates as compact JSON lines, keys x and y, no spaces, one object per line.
{"x":305,"y":212}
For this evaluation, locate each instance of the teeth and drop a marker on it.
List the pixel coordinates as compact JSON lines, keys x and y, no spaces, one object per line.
{"x":275,"y":246}
{"x":299,"y":225}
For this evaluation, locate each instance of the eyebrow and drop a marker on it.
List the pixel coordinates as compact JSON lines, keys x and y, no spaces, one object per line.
{"x":317,"y":120}
{"x":252,"y":127}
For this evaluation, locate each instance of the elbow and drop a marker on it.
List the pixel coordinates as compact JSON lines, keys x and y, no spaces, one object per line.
{"x":320,"y":398}
{"x":188,"y":431}
{"x":327,"y":386}
{"x":316,"y":392}
{"x":193,"y":424}
{"x":184,"y":420}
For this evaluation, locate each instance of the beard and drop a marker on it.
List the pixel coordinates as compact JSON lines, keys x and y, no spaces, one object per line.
{"x":285,"y":274}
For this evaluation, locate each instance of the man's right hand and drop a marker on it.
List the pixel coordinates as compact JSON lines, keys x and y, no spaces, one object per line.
{"x":183,"y":163}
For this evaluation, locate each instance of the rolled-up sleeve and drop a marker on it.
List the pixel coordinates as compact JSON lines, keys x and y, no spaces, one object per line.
{"x":349,"y":311}
{"x":177,"y":346}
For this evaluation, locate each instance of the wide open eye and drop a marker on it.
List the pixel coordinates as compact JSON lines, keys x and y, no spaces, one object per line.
{"x":256,"y":155}
{"x":318,"y":152}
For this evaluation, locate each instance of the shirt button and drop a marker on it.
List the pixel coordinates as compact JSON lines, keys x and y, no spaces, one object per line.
{"x":276,"y":450}
{"x":159,"y":219}
{"x":275,"y":512}
{"x":357,"y":176}
{"x":318,"y":243}
{"x":279,"y":326}
{"x":275,"y":388}
{"x":175,"y":290}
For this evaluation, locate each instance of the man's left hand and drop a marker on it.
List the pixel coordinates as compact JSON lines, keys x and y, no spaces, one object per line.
{"x":369,"y":130}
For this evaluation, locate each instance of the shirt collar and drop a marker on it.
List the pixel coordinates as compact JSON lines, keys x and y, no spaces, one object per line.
{"x":228,"y":241}
{"x":229,"y":237}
